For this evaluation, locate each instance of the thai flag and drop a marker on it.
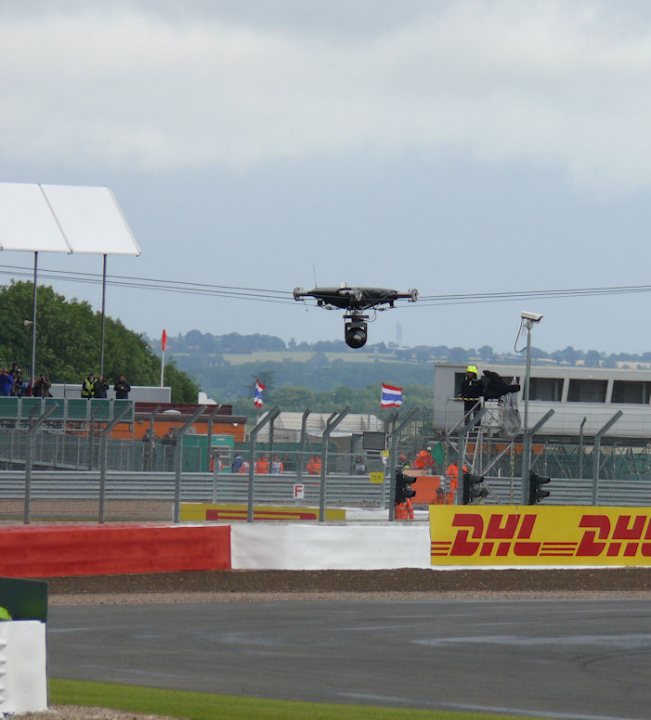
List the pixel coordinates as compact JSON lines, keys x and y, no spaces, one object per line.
{"x":259,"y":389}
{"x":391,"y":396}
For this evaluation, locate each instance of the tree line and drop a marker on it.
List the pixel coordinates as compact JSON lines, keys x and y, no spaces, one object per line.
{"x":68,"y":343}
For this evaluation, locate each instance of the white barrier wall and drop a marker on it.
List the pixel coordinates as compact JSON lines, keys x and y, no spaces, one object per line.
{"x":23,"y":679}
{"x":315,"y":547}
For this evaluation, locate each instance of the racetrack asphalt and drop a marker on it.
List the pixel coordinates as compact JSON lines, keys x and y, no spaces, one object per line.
{"x":577,"y":658}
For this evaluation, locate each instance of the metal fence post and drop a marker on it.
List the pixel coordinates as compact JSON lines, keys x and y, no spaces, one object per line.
{"x":301,"y":450}
{"x":32,"y":427}
{"x":389,"y":427}
{"x":178,"y":456}
{"x":464,"y":431}
{"x":526,"y":454}
{"x":253,"y":436}
{"x":393,"y":457}
{"x":596,"y":452}
{"x":330,"y":426}
{"x":103,"y":459}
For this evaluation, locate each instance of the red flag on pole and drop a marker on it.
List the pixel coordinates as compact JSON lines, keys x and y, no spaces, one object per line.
{"x":163,"y":340}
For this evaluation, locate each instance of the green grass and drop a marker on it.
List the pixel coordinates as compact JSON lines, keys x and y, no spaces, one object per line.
{"x":204,"y":706}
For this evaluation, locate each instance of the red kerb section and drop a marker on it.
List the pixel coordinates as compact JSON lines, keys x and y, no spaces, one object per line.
{"x":73,"y":550}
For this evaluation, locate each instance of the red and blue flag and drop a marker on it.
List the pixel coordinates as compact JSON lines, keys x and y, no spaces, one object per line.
{"x":391,"y":396}
{"x":257,"y":397}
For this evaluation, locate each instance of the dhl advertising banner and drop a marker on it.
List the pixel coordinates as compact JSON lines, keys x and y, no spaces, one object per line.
{"x":538,"y":535}
{"x":206,"y":512}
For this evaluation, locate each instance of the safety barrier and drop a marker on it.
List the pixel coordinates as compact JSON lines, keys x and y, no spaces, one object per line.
{"x":342,"y":490}
{"x":65,"y":409}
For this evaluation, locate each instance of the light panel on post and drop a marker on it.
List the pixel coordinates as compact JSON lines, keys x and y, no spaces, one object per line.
{"x":536,"y":491}
{"x":473,"y":488}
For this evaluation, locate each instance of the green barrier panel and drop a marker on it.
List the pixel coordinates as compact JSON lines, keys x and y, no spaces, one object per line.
{"x":78,"y":409}
{"x":100,"y":409}
{"x":119,"y":405}
{"x":60,"y":405}
{"x":9,"y":408}
{"x":24,"y":599}
{"x":29,"y":405}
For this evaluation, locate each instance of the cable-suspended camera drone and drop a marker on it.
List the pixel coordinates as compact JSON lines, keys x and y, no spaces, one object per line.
{"x":356,"y":301}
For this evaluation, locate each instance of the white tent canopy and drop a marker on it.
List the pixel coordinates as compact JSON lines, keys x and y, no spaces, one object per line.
{"x":63,"y":218}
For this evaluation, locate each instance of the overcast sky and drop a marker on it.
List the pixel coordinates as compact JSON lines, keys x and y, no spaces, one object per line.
{"x":453,"y":147}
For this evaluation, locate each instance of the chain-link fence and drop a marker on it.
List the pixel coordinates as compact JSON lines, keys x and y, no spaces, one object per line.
{"x":52,"y":472}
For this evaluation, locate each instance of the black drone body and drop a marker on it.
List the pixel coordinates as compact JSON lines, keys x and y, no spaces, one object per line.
{"x":355,"y":301}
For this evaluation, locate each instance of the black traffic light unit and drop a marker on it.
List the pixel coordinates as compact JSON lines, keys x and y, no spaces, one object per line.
{"x":473,"y":488}
{"x":403,"y":487}
{"x":536,"y":491}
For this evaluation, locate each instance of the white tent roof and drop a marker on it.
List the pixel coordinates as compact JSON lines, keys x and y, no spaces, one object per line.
{"x":63,"y":218}
{"x":27,"y":222}
{"x":289,"y":424}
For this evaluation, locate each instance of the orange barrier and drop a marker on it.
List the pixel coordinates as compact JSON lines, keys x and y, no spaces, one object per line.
{"x":74,"y":550}
{"x":426,"y":490}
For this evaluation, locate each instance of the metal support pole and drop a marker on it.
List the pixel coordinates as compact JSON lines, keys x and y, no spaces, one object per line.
{"x":330,"y":426}
{"x":526,"y":454}
{"x":393,"y":458}
{"x":526,"y":436}
{"x":32,"y":427}
{"x":583,"y":422}
{"x":389,"y":427}
{"x":271,"y":440}
{"x":102,"y":319}
{"x":32,"y":376}
{"x":596,"y":452}
{"x":178,"y":456}
{"x":269,"y":417}
{"x":103,"y":459}
{"x":301,"y":449}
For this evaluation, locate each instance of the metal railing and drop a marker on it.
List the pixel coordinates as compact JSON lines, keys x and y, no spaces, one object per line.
{"x":53,"y":474}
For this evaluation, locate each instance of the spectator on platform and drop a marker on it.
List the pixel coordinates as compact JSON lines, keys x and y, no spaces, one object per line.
{"x":6,"y":383}
{"x":100,"y":388}
{"x":41,"y":387}
{"x":17,"y":375}
{"x":276,"y":465}
{"x":122,"y":388}
{"x":88,"y":387}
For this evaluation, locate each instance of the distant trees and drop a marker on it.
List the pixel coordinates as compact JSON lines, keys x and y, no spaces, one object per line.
{"x":68,"y":345}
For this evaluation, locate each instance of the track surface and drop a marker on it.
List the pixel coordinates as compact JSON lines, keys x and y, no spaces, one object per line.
{"x":579,"y":658}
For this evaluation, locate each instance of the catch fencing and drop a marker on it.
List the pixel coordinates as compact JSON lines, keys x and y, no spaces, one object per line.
{"x":50,"y":473}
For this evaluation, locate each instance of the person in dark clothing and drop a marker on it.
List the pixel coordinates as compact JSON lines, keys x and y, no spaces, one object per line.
{"x":237,"y":463}
{"x":122,"y":388}
{"x":169,"y":440}
{"x":472,"y":389}
{"x":149,"y":450}
{"x":100,"y":387}
{"x":41,"y":387}
{"x":17,"y":375}
{"x":6,"y":383}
